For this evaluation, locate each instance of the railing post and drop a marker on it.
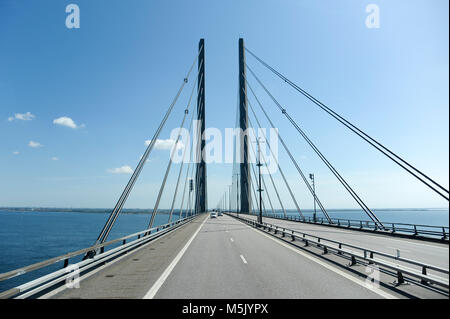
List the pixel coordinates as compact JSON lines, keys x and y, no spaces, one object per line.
{"x":400,"y":279}
{"x":360,"y":224}
{"x":293,"y":237}
{"x":66,"y":263}
{"x":415,"y":230}
{"x":424,"y":272}
{"x":352,"y":261}
{"x":393,"y":227}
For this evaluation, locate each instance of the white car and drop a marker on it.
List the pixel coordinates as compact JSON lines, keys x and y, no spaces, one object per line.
{"x":220,"y":214}
{"x":213,"y":215}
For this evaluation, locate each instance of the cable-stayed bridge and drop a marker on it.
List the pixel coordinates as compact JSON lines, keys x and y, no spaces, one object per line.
{"x":248,"y":248}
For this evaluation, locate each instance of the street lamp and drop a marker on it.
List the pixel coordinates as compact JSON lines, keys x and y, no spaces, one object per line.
{"x":259,"y":186}
{"x":311,"y":176}
{"x":229,"y":198}
{"x":237,"y":193}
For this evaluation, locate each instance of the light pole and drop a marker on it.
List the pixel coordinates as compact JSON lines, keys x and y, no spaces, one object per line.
{"x":311,"y":176}
{"x":191,"y":189}
{"x":260,"y":186}
{"x":237,"y":193}
{"x":229,"y":198}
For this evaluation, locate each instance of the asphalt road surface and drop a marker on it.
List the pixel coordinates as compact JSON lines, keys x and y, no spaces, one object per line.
{"x":228,"y":259}
{"x":225,"y":258}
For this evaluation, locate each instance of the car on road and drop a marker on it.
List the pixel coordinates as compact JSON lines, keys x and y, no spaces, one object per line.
{"x":219,"y":214}
{"x":213,"y":215}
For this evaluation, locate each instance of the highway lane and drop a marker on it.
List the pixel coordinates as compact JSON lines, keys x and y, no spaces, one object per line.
{"x":131,"y":275}
{"x":427,"y":252}
{"x":228,"y":259}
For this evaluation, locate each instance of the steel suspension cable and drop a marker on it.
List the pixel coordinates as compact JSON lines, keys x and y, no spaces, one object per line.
{"x":169,"y":165}
{"x":180,"y":215}
{"x":120,"y":203}
{"x":270,"y":175}
{"x":262,"y":179}
{"x":187,"y":175}
{"x":322,"y":208}
{"x":373,"y":142}
{"x":184,"y":156}
{"x":366,"y":209}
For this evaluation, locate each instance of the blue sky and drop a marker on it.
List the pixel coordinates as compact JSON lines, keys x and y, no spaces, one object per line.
{"x":116,"y":75}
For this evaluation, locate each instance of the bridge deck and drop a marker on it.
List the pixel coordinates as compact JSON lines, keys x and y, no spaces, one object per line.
{"x":226,"y":259}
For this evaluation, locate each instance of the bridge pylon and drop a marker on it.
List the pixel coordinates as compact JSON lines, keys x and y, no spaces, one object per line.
{"x":201,"y":205}
{"x":245,"y":190}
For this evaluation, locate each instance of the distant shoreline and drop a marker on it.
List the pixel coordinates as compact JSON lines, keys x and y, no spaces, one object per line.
{"x":167,"y":211}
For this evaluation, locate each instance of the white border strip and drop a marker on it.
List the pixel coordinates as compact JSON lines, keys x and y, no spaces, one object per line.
{"x":152,"y":292}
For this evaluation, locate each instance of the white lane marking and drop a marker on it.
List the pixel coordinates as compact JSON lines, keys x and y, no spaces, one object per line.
{"x":401,"y":250}
{"x":329,"y":267}
{"x":152,"y":292}
{"x":243,"y":259}
{"x":232,"y":240}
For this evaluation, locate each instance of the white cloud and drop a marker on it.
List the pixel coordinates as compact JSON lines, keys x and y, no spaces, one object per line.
{"x":161,"y":144}
{"x":16,"y":153}
{"x":34,"y":144}
{"x":54,"y":158}
{"x":67,"y":121}
{"x":22,"y":116}
{"x":121,"y":170}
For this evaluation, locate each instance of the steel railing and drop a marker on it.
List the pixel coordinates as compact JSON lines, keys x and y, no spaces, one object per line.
{"x":66,"y":273}
{"x":358,"y":254}
{"x":426,"y":231}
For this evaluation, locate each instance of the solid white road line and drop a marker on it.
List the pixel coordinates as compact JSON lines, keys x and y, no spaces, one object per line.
{"x":152,"y":292}
{"x":243,"y":259}
{"x":329,"y":267}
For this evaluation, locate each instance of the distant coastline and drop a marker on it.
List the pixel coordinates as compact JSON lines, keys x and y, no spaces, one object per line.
{"x":167,"y":211}
{"x":80,"y":210}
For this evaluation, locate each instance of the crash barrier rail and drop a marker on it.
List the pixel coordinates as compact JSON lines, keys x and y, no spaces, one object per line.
{"x":425,"y":231}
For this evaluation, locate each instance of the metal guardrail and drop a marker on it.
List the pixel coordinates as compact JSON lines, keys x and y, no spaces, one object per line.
{"x":37,"y":285}
{"x":357,"y":253}
{"x":427,"y":231}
